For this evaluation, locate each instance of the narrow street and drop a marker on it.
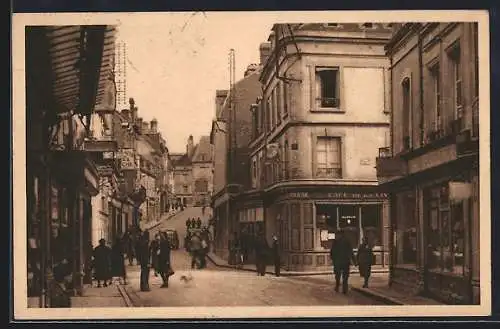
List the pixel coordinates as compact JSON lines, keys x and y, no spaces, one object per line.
{"x":218,"y":287}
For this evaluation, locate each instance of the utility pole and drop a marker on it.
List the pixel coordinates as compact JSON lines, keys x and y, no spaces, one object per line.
{"x":231,"y":114}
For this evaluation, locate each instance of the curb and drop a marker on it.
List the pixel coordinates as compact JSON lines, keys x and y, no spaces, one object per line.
{"x":123,"y":292}
{"x":377,"y":296}
{"x":284,"y":273}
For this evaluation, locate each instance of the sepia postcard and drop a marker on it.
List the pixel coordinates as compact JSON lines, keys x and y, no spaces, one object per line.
{"x":251,"y":165}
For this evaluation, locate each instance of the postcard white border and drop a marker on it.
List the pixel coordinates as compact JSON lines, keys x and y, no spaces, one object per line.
{"x":19,"y":21}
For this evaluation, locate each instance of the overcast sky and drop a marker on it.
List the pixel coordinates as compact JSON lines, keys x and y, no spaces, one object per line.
{"x":176,"y":62}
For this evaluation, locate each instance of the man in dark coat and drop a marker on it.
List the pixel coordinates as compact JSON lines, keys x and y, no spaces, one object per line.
{"x":198,"y":223}
{"x":164,"y":265}
{"x":143,"y":257}
{"x":261,"y":248}
{"x":342,"y":256}
{"x":155,"y":252}
{"x":276,"y":256}
{"x":118,"y":261}
{"x":365,"y":259}
{"x":102,"y":263}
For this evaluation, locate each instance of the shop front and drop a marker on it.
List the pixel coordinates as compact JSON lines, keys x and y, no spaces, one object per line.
{"x":436,"y":236}
{"x":306,"y":222}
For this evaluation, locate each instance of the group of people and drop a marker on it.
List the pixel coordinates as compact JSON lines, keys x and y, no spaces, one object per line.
{"x":240,"y":246}
{"x":109,"y":263}
{"x":341,"y":253}
{"x":197,"y":244}
{"x":193,"y":223}
{"x":342,"y":256}
{"x":156,"y":255}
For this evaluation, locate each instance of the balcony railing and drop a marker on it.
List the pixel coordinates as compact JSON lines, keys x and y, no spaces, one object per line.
{"x":329,"y":102}
{"x":329,"y":173}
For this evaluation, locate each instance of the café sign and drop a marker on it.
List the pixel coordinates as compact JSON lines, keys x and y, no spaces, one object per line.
{"x":337,"y":195}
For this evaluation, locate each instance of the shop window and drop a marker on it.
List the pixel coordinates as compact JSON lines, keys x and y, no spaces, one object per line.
{"x":327,"y":85}
{"x":285,"y":226}
{"x":295,"y":221}
{"x":308,"y":227}
{"x":349,"y":223}
{"x":445,"y":232}
{"x":328,"y":157}
{"x":371,"y":223}
{"x":405,"y":229}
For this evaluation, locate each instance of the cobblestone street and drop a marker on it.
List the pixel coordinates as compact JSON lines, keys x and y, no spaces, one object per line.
{"x":223,"y":287}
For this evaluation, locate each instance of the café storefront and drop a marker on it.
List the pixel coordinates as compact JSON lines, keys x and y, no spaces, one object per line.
{"x":306,"y":222}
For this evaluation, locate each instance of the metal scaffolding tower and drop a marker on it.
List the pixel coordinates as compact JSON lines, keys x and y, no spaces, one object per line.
{"x":121,"y":75}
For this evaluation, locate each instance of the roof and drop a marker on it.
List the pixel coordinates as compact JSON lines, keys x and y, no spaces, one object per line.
{"x":248,"y":86}
{"x":203,"y":151}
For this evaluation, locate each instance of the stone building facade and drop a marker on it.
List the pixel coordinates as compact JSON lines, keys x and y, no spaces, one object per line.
{"x":315,"y":141}
{"x":192,"y":174}
{"x":431,"y":169}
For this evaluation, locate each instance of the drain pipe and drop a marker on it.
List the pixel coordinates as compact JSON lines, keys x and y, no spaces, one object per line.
{"x":421,"y":85}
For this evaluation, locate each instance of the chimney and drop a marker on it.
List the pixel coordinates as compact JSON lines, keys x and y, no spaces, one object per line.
{"x":265,"y":52}
{"x":250,"y":69}
{"x":126,"y":114}
{"x":133,"y":109}
{"x":190,"y":146}
{"x":145,"y":127}
{"x":139,"y":125}
{"x":220,"y":97}
{"x":153,"y":125}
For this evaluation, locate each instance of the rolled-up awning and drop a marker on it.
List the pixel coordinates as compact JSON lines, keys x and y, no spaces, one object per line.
{"x":81,"y":58}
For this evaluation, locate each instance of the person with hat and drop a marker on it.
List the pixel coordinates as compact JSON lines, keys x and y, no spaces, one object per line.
{"x":102,"y":263}
{"x":342,"y":256}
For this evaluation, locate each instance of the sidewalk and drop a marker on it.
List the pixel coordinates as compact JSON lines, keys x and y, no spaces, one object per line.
{"x":218,"y":261}
{"x":111,"y":296}
{"x":391,"y":296}
{"x":378,"y":289}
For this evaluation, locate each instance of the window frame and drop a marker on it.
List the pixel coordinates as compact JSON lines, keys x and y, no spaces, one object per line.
{"x":318,"y":86}
{"x":335,"y":140}
{"x":407,"y":111}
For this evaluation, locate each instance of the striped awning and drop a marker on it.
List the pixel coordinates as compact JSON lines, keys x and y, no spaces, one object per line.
{"x":82,"y":60}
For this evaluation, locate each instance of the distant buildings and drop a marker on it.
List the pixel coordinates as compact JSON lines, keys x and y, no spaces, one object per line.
{"x":191,"y":180}
{"x":431,"y":167}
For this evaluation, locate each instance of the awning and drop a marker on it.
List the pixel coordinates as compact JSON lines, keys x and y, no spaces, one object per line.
{"x":81,"y":58}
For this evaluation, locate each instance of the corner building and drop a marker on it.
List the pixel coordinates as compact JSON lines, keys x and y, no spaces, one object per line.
{"x":431,"y":169}
{"x":317,"y":129}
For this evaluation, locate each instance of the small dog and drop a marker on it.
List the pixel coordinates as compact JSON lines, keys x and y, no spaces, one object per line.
{"x":186,"y":278}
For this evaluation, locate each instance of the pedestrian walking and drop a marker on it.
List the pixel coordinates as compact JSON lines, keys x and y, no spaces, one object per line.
{"x":155,"y":252}
{"x":365,"y":258}
{"x":195,"y":249}
{"x":276,"y":256}
{"x":342,"y":256}
{"x":198,"y":223}
{"x":261,"y":248}
{"x":118,"y":261}
{"x":164,"y":262}
{"x":102,"y":263}
{"x":143,"y":257}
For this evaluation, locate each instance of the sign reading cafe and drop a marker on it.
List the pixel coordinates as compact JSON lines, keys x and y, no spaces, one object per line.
{"x":337,"y":195}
